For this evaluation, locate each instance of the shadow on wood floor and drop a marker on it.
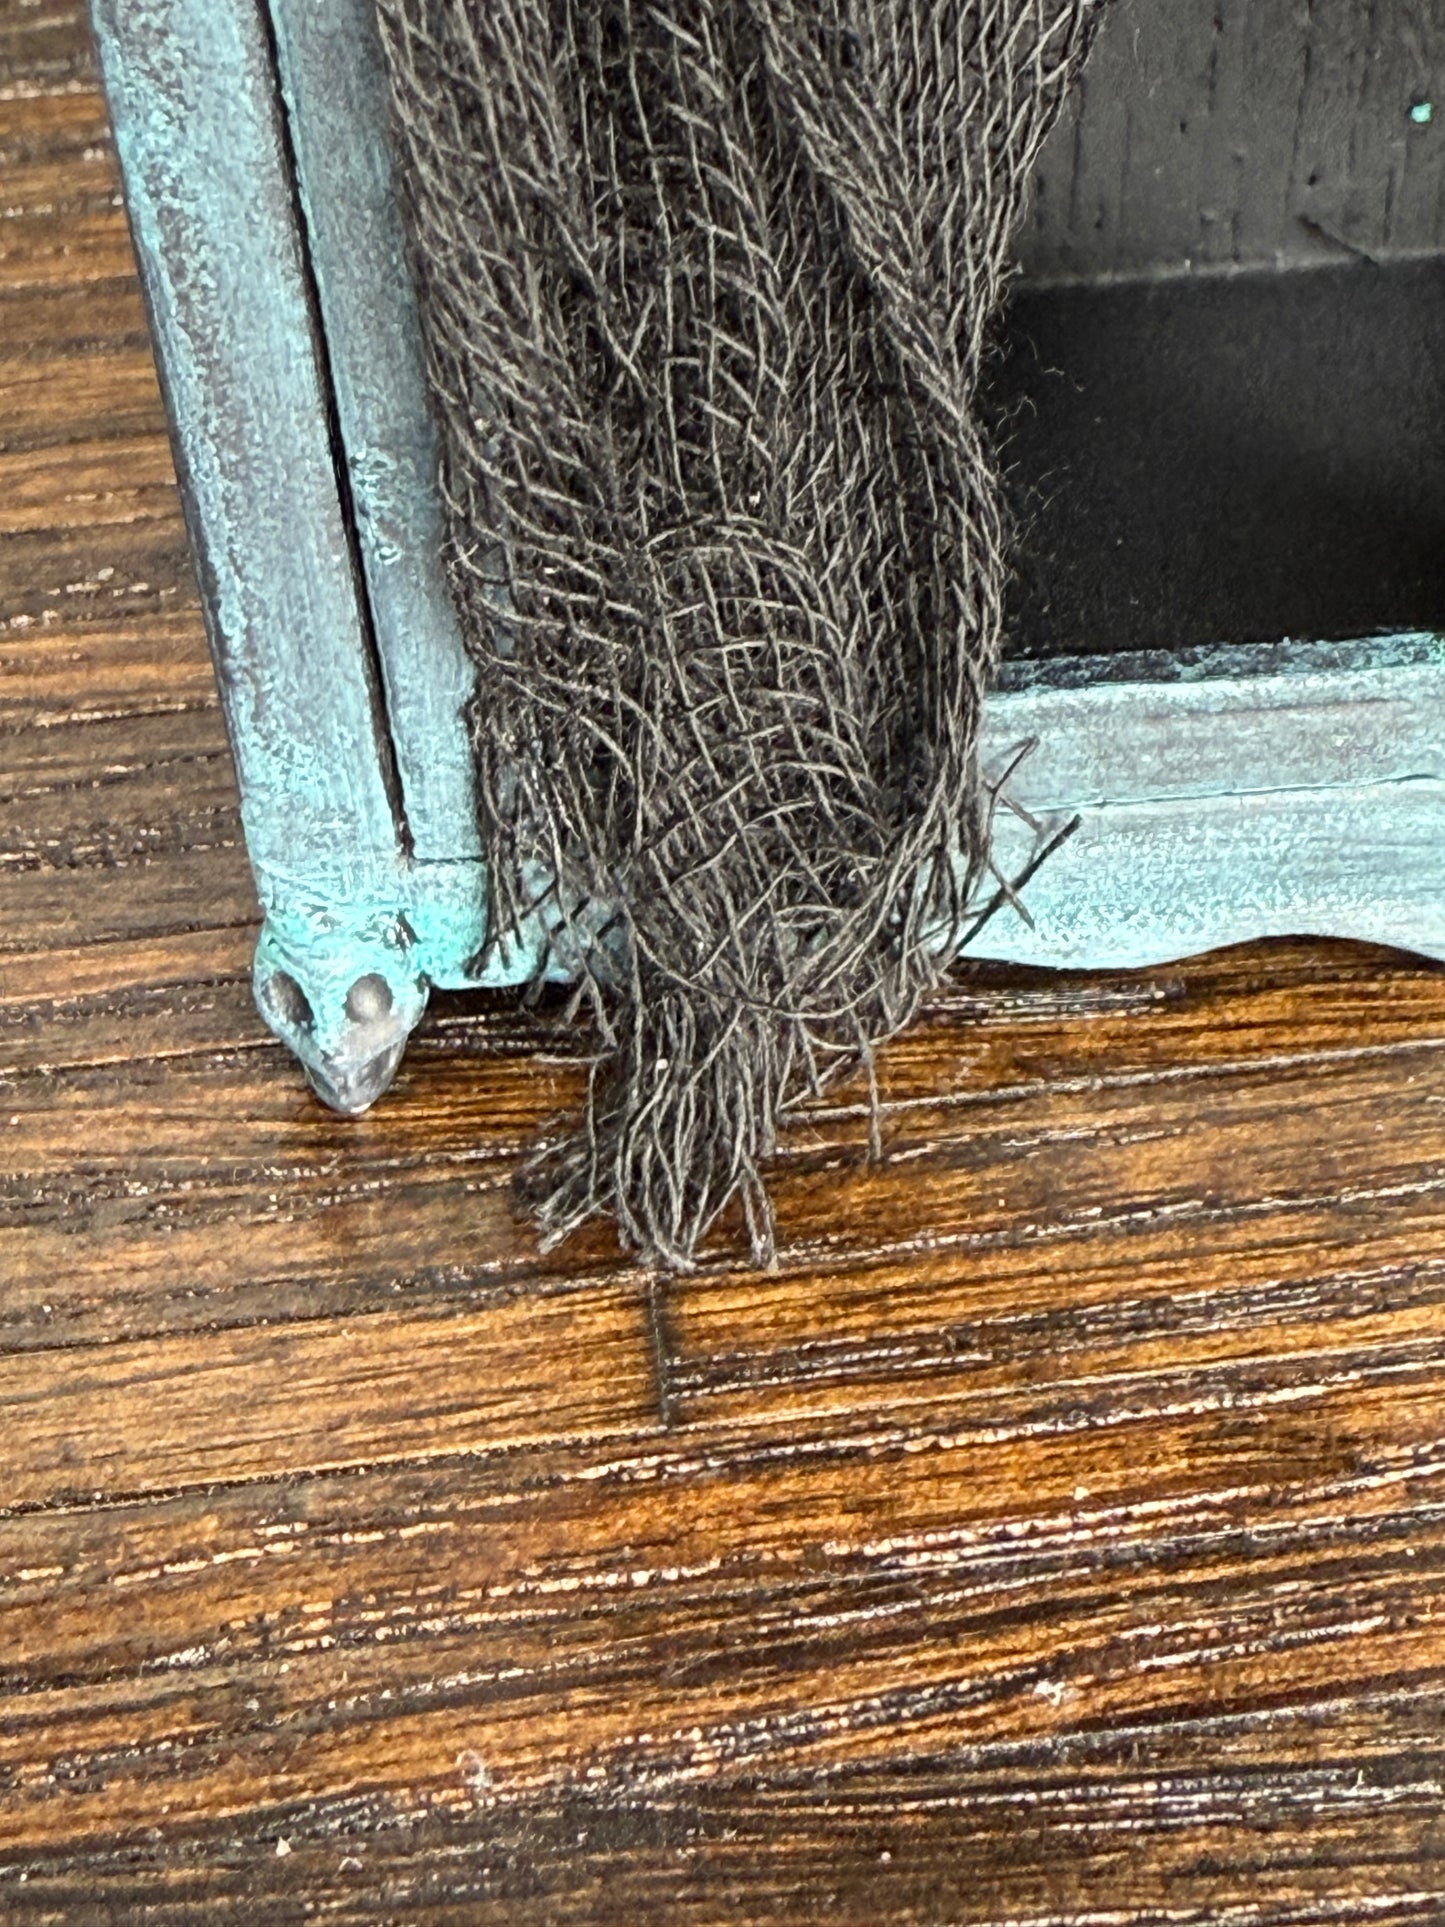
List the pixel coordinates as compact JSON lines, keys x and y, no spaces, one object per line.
{"x":1057,"y":1536}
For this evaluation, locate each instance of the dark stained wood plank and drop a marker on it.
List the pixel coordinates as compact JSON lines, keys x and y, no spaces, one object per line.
{"x":99,"y":485}
{"x":45,"y":48}
{"x":50,"y":122}
{"x":42,"y":252}
{"x":183,"y":803}
{"x":999,"y":1167}
{"x":1056,"y":1536}
{"x":670,"y":1623}
{"x":1245,"y":133}
{"x":107,"y":671}
{"x":143,"y":1418}
{"x":193,"y":889}
{"x":43,"y":324}
{"x":118,"y":388}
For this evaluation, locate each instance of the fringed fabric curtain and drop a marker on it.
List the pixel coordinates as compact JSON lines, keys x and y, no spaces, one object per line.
{"x":706,"y":289}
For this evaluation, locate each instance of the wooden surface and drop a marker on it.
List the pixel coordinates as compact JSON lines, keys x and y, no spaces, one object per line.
{"x":1058,"y":1536}
{"x":1247,"y":133}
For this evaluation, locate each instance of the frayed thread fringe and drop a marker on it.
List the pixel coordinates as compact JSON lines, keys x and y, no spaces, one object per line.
{"x":706,"y":287}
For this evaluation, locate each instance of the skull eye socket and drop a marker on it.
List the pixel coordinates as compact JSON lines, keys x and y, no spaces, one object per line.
{"x":290,"y":1001}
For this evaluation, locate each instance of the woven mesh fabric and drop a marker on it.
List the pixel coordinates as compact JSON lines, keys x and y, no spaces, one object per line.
{"x":706,"y":286}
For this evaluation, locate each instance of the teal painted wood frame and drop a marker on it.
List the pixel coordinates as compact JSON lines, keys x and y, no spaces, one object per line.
{"x":1235,"y":793}
{"x":285,"y":336}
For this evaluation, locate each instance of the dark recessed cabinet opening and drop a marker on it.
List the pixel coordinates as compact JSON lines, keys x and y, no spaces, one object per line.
{"x":1221,"y":392}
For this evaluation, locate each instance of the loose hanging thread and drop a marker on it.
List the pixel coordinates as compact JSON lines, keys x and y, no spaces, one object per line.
{"x":706,"y":288}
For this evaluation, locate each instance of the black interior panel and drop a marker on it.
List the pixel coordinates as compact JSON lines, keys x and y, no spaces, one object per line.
{"x":1226,"y":457}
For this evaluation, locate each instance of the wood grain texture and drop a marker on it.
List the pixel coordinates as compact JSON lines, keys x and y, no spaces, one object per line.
{"x":1056,"y":1536}
{"x":1246,"y":133}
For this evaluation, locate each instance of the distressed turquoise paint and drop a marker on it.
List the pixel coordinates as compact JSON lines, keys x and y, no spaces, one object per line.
{"x":193,"y":103}
{"x":1145,"y":882}
{"x":199,"y":130}
{"x":191,"y":97}
{"x":335,"y":92}
{"x":1303,"y":799}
